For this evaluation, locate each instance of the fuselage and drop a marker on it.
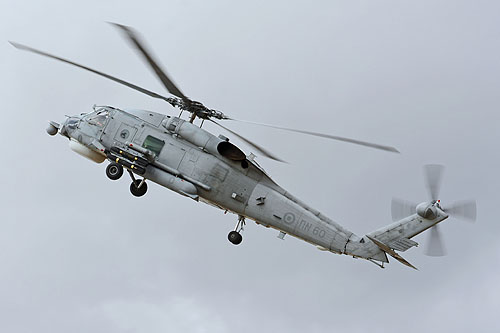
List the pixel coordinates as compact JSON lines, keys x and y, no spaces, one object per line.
{"x":193,"y":162}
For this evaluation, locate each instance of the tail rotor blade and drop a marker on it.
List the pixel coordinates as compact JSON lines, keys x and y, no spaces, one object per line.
{"x":401,"y":208}
{"x":435,"y":246}
{"x":433,"y":174}
{"x":465,"y":210}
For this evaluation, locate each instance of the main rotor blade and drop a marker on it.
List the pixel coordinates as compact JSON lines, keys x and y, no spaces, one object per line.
{"x":254,"y":145}
{"x":433,"y":174}
{"x":465,"y":210}
{"x":401,"y":208}
{"x":328,"y":136}
{"x":435,"y":246}
{"x":125,"y":83}
{"x":162,"y":75}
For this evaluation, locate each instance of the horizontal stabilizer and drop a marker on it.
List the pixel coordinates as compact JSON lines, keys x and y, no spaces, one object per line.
{"x":402,"y":244}
{"x":391,"y":252}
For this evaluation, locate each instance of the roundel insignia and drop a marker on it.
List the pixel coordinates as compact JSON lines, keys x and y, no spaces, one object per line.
{"x":289,"y":218}
{"x":124,"y":134}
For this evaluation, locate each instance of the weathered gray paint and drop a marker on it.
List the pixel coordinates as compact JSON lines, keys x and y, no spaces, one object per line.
{"x":190,"y":164}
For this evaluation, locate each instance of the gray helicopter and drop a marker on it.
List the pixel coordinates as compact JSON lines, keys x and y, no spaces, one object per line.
{"x":185,"y":158}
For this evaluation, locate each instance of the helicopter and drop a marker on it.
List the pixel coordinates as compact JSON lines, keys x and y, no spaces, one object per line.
{"x":185,"y":158}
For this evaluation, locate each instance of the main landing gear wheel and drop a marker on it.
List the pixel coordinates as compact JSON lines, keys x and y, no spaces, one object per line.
{"x":138,"y":188}
{"x":235,"y":237}
{"x":114,"y":171}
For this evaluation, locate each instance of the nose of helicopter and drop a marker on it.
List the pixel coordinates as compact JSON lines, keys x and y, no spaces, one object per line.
{"x":65,"y":129}
{"x":53,"y":128}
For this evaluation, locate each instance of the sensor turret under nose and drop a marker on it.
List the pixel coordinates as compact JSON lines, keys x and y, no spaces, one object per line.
{"x":53,"y":128}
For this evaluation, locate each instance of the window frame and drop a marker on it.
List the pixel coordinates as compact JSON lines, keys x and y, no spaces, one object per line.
{"x":154,"y":144}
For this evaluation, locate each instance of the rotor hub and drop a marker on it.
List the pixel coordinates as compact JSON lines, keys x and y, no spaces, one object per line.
{"x":427,"y":210}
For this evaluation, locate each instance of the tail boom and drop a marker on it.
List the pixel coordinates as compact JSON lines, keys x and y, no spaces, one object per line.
{"x":396,"y":236}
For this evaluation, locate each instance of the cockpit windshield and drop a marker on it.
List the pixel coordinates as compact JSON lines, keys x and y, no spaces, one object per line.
{"x":97,"y":118}
{"x":72,"y":123}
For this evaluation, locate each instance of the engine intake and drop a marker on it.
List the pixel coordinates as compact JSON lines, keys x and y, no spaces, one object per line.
{"x":230,"y":151}
{"x":203,"y":139}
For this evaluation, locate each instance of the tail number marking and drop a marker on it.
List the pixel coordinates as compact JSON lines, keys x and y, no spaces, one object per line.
{"x":316,"y":231}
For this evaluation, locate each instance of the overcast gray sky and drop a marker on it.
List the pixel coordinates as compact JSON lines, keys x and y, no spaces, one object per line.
{"x":78,"y":253}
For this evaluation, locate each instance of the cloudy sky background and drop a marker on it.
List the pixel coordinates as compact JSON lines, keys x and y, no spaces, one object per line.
{"x":78,"y":253}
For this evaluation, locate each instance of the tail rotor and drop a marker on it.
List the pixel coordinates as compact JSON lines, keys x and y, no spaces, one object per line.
{"x":435,"y":246}
{"x":464,"y":210}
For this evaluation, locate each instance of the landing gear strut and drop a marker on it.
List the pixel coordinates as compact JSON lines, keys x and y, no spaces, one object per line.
{"x":138,"y":187}
{"x":235,"y":235}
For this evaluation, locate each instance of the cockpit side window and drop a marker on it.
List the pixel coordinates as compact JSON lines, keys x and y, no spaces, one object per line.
{"x":153,"y":144}
{"x":72,"y":123}
{"x":98,"y":119}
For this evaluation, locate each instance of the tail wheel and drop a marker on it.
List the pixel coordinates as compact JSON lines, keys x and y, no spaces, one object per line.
{"x":235,"y":237}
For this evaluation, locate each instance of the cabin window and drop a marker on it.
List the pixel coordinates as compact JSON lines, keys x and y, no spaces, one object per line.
{"x":153,"y":144}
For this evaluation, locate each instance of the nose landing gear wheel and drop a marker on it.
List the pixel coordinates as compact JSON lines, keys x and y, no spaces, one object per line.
{"x":235,"y":237}
{"x":114,"y":171}
{"x":138,"y":189}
